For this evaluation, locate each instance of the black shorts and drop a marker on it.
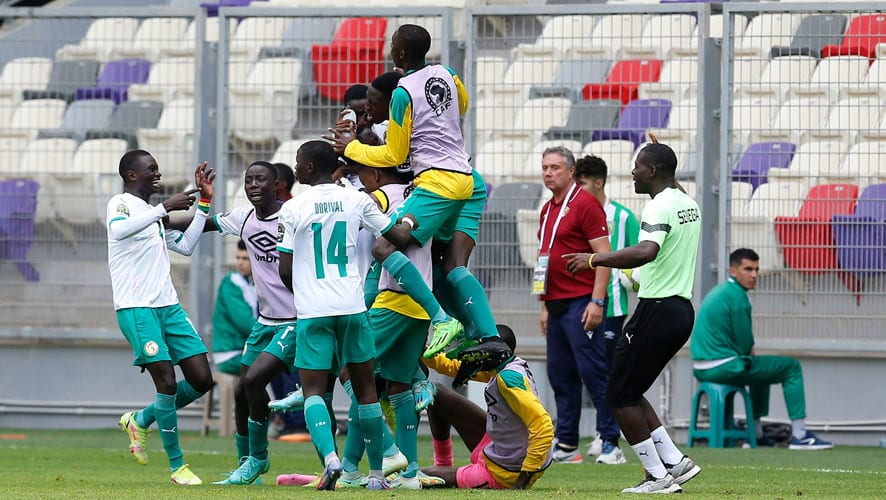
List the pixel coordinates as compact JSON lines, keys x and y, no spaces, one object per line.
{"x":656,"y":331}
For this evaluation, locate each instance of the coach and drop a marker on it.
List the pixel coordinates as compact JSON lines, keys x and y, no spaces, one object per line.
{"x":573,"y":306}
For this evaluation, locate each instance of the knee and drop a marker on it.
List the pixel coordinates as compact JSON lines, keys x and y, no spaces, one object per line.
{"x":202,"y":384}
{"x":253,"y":382}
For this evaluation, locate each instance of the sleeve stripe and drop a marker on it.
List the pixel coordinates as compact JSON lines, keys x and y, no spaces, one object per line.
{"x":115,"y":219}
{"x":284,"y":250}
{"x":651,"y":228}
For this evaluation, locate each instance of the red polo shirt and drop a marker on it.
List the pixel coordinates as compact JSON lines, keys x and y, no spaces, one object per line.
{"x":583,"y":221}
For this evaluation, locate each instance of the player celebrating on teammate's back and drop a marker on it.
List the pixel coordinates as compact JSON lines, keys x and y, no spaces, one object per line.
{"x":424,"y":128}
{"x":317,"y":242}
{"x":148,"y":310}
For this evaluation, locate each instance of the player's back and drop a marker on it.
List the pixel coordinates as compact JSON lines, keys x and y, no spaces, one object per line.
{"x":320,"y":230}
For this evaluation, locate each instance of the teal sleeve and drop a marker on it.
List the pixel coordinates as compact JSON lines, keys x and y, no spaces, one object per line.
{"x":399,"y":104}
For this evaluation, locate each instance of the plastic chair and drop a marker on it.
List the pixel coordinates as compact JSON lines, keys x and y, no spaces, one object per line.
{"x":813,"y":33}
{"x":65,"y":78}
{"x":861,"y":39}
{"x":861,"y":237}
{"x":636,"y":118}
{"x":115,"y":79}
{"x":356,"y":55}
{"x":127,"y":119}
{"x":759,"y":158}
{"x":18,"y":205}
{"x":722,"y":430}
{"x":80,"y":117}
{"x":585,"y":117}
{"x":624,"y":80}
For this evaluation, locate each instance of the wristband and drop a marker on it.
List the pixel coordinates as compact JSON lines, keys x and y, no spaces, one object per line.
{"x":591,"y":261}
{"x":203,"y":205}
{"x":407,"y":220}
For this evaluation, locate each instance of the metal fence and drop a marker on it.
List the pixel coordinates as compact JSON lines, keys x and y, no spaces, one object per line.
{"x":783,"y":156}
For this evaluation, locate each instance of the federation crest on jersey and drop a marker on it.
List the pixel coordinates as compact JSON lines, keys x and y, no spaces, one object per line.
{"x":438,"y":94}
{"x":280,"y":231}
{"x":151,"y":348}
{"x":123,"y":210}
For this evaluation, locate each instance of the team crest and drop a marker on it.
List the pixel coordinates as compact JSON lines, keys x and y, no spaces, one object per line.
{"x":151,"y":348}
{"x":123,"y":210}
{"x":281,"y":230}
{"x":438,"y":94}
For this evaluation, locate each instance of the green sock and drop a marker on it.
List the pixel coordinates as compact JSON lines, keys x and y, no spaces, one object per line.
{"x":258,"y":438}
{"x":448,"y":298}
{"x":371,"y":424}
{"x":242,"y":443}
{"x":317,"y":421}
{"x":184,"y":395}
{"x":167,"y":421}
{"x":473,"y":296}
{"x":407,"y":427}
{"x":354,"y":440}
{"x":370,"y":285}
{"x":410,"y":280}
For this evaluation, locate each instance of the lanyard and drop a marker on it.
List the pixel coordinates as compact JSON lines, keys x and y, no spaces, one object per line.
{"x":563,"y":209}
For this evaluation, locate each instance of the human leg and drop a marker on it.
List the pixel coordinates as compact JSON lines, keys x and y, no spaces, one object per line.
{"x":564,"y":378}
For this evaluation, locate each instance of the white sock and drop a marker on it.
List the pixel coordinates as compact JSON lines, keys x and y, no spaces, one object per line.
{"x":645,"y":451}
{"x":331,"y":459}
{"x":798,"y":428}
{"x":758,"y":428}
{"x":665,"y":446}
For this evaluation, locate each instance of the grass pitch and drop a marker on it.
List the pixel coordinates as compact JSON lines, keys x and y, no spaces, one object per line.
{"x":97,"y":464}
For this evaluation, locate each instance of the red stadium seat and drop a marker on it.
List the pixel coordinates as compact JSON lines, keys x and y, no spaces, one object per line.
{"x":624,"y":80}
{"x":861,"y":39}
{"x":354,"y":56}
{"x":807,"y":240}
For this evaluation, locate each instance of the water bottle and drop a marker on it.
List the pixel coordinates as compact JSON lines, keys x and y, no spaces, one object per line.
{"x":351,"y":116}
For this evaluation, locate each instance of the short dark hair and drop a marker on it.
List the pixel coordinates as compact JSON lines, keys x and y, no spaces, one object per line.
{"x":741,"y":254}
{"x":661,"y":156}
{"x":355,"y":93}
{"x":266,"y":165}
{"x":416,"y":41}
{"x":590,"y":166}
{"x":507,"y":335}
{"x":321,"y":154}
{"x":386,"y":82}
{"x":285,"y":174}
{"x":241,"y":245}
{"x":128,"y":158}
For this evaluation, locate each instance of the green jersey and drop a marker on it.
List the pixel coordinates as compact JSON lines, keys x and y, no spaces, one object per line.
{"x":623,"y":232}
{"x":672,"y":220}
{"x":723,"y":324}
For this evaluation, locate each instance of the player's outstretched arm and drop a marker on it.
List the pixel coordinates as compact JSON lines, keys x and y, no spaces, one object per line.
{"x":626,"y":258}
{"x":400,"y":234}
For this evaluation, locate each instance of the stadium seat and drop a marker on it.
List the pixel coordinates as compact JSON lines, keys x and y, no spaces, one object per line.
{"x":682,"y":123}
{"x":610,"y":33}
{"x":31,"y":116}
{"x":153,"y":36}
{"x":65,"y":78}
{"x":830,"y":76}
{"x":751,"y":115}
{"x":300,"y":36}
{"x":755,"y":229}
{"x":212,"y":7}
{"x":636,"y":118}
{"x":624,"y":80}
{"x":19,"y":75}
{"x":767,"y":30}
{"x":356,"y":55}
{"x":621,"y":189}
{"x":285,"y":153}
{"x":170,"y":79}
{"x":266,"y":107}
{"x":688,"y":47}
{"x":850,"y":118}
{"x":571,"y":77}
{"x":559,"y":35}
{"x":533,"y":159}
{"x":433,"y":24}
{"x":661,"y":33}
{"x":754,"y":165}
{"x":813,"y":33}
{"x":502,"y":161}
{"x":810,"y":159}
{"x":585,"y":117}
{"x":11,"y":151}
{"x":76,"y":193}
{"x":806,"y":239}
{"x":172,"y":142}
{"x":617,"y":153}
{"x":535,"y":117}
{"x":127,"y":118}
{"x":794,"y":117}
{"x":677,"y":77}
{"x":187,"y":44}
{"x":870,"y":86}
{"x":79,"y":117}
{"x":779,"y":76}
{"x":861,"y":237}
{"x":739,"y":197}
{"x":520,"y":76}
{"x":41,"y":159}
{"x":103,"y":36}
{"x":18,"y":204}
{"x":115,"y":79}
{"x":862,"y":165}
{"x":861,"y":38}
{"x":490,"y":71}
{"x":253,"y":33}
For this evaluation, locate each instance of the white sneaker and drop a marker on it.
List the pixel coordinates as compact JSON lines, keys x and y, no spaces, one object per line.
{"x":596,"y":447}
{"x":684,"y":470}
{"x":394,"y":463}
{"x":652,"y":485}
{"x":405,"y":483}
{"x":611,"y":455}
{"x":567,"y":457}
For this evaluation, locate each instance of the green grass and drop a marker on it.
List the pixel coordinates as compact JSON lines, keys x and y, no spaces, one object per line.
{"x":97,"y":464}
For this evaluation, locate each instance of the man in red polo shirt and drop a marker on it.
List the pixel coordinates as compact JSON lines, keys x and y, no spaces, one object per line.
{"x":573,"y":307}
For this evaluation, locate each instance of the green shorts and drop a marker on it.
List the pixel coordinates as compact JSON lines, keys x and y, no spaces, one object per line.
{"x":469,"y":218}
{"x":231,"y":366}
{"x":159,"y":334}
{"x":276,"y":340}
{"x":333,"y":341}
{"x":435,"y":214}
{"x":399,"y":342}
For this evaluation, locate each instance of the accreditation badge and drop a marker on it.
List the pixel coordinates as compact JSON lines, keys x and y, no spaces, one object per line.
{"x":540,"y":275}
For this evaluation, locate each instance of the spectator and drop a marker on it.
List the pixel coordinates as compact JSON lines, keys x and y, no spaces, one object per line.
{"x":236,"y":307}
{"x":285,"y":181}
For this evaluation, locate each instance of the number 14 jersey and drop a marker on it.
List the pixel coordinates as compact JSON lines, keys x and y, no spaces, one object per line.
{"x":319,"y":228}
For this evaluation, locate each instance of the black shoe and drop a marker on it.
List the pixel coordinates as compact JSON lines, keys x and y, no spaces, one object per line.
{"x":488,"y":355}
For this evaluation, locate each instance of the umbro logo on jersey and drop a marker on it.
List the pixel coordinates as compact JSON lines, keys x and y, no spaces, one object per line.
{"x":264,"y":241}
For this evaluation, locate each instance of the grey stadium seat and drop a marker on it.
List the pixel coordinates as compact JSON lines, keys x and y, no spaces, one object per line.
{"x":127,"y":118}
{"x":81,"y":116}
{"x":66,"y":77}
{"x":813,"y":33}
{"x":584,"y":118}
{"x":572,"y":77}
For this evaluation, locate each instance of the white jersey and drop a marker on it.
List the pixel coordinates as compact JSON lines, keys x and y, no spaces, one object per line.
{"x":319,"y":229}
{"x":139,"y":263}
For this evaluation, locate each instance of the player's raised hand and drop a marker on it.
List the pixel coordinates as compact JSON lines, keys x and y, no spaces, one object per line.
{"x":203,"y":179}
{"x":181,"y":201}
{"x":339,"y":142}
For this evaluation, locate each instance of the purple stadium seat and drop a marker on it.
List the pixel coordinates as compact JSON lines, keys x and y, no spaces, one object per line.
{"x":115,"y":79}
{"x":754,"y":164}
{"x":18,"y":203}
{"x":861,"y":237}
{"x":212,"y":7}
{"x":636,"y":118}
